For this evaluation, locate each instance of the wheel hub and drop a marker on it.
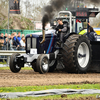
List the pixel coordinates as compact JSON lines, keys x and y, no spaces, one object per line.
{"x":45,"y":64}
{"x":83,"y":54}
{"x":45,"y":67}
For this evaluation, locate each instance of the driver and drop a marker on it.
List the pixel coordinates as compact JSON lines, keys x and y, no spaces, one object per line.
{"x":61,"y":29}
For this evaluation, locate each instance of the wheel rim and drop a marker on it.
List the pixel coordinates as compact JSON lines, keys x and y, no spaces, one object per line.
{"x":45,"y":64}
{"x":17,"y":67}
{"x":83,"y":54}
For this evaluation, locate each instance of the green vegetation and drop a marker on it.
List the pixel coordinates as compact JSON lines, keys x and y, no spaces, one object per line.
{"x":16,"y":22}
{"x":4,"y":62}
{"x":38,"y":88}
{"x":54,"y":97}
{"x":7,"y":68}
{"x":4,"y":68}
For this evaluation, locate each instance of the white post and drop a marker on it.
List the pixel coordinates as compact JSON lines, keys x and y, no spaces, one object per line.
{"x":8,"y":59}
{"x":8,"y":23}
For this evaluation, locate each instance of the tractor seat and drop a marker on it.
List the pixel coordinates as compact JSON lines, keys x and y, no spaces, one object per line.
{"x":68,"y":31}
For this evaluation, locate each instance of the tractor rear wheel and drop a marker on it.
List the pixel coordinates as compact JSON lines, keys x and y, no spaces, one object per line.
{"x":42,"y":64}
{"x":77,"y":54}
{"x":13,"y":65}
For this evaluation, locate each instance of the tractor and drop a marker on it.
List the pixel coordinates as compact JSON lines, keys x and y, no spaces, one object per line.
{"x":77,"y":53}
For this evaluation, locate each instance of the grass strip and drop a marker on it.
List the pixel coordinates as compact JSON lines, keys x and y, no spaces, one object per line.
{"x":56,"y":97}
{"x":7,"y":68}
{"x":38,"y":88}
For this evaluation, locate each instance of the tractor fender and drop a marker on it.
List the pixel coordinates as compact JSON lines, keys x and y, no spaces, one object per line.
{"x":83,"y":32}
{"x":68,"y":35}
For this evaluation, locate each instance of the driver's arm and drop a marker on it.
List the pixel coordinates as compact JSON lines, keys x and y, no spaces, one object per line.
{"x":64,"y":29}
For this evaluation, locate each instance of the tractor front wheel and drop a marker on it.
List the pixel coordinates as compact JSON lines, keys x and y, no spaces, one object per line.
{"x":42,"y":64}
{"x":13,"y":64}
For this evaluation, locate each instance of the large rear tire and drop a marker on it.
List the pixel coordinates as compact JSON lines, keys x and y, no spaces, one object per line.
{"x":42,"y":64}
{"x":77,"y":54}
{"x":13,"y":65}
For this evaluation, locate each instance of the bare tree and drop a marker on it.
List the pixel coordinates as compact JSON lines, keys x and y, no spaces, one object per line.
{"x":4,"y":6}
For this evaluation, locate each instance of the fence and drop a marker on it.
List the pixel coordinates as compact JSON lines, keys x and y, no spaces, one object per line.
{"x":8,"y":53}
{"x":21,"y":31}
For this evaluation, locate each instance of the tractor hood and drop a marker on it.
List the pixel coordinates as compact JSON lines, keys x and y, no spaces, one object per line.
{"x":38,"y":34}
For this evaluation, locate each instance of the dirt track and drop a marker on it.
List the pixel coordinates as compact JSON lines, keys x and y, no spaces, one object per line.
{"x":31,"y":78}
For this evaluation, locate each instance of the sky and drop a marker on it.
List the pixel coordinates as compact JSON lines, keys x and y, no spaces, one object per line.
{"x":38,"y":3}
{"x":31,"y":3}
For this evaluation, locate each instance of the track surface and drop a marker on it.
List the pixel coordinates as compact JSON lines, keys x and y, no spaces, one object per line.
{"x":31,"y":78}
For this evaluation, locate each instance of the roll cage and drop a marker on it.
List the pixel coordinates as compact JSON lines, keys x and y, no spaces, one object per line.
{"x":77,"y":18}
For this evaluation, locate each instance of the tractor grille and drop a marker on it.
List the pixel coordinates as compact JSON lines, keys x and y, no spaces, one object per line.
{"x":28,"y":43}
{"x":31,"y":43}
{"x":34,"y":43}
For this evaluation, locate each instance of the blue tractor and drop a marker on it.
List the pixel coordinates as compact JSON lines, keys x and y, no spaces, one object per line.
{"x":43,"y":53}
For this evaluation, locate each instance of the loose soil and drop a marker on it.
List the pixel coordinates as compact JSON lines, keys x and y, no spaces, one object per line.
{"x":31,"y":78}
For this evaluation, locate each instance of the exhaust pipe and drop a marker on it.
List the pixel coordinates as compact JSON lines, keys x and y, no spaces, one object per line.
{"x":43,"y":40}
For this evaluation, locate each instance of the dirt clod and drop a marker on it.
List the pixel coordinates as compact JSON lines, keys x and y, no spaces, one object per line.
{"x":63,"y":96}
